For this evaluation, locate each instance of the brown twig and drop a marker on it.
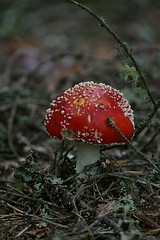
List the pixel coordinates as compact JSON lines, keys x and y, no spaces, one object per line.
{"x":112,"y":124}
{"x":123,"y":45}
{"x":145,"y":122}
{"x":157,"y":132}
{"x":131,"y":177}
{"x":28,"y":198}
{"x":126,"y":176}
{"x":86,"y":225}
{"x":38,"y":218}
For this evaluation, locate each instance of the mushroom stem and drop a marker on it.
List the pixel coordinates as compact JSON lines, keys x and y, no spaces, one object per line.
{"x":86,"y":154}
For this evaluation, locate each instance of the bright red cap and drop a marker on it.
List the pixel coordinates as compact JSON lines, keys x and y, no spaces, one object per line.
{"x":81,"y":112}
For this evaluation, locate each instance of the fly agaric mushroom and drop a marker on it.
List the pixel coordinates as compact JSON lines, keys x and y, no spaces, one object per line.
{"x":80,"y":115}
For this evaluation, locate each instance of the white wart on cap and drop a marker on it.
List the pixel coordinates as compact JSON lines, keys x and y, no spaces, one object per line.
{"x":80,"y":114}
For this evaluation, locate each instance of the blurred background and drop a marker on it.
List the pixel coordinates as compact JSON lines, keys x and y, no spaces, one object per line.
{"x":48,"y":46}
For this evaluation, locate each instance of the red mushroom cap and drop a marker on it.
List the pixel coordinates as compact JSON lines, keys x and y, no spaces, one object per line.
{"x":81,"y":112}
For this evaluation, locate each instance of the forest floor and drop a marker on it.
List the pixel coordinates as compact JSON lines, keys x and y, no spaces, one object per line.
{"x":47,"y":47}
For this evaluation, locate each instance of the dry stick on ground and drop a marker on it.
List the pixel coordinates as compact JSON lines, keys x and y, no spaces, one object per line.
{"x":8,"y":193}
{"x":112,"y":124}
{"x":125,"y":176}
{"x":35,"y":217}
{"x":124,"y":46}
{"x":85,"y":224}
{"x":23,"y":231}
{"x":130,"y":178}
{"x":94,"y":227}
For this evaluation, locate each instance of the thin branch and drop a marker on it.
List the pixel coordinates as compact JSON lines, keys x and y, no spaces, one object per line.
{"x":38,"y":218}
{"x":151,"y":139}
{"x":123,"y":45}
{"x":145,"y":122}
{"x":86,"y":225}
{"x":112,"y":124}
{"x":138,"y":180}
{"x":26,"y":197}
{"x":123,"y":175}
{"x":23,"y":231}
